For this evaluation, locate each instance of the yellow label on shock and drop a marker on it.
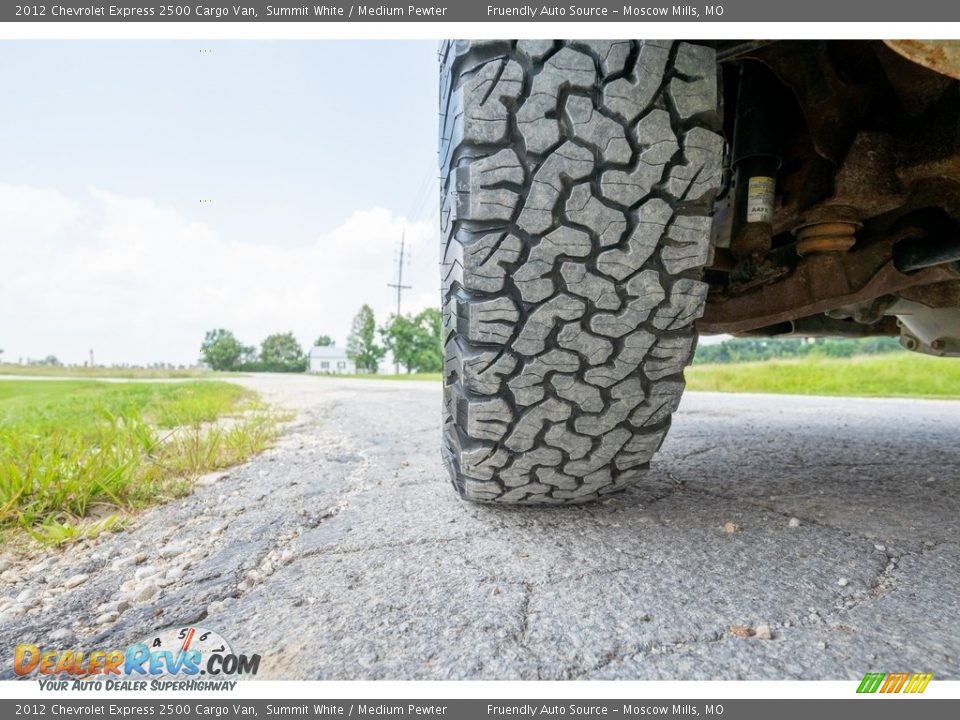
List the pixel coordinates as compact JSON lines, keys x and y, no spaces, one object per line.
{"x":760,"y":194}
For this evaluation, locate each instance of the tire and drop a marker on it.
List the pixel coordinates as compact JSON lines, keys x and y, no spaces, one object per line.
{"x":577,"y":180}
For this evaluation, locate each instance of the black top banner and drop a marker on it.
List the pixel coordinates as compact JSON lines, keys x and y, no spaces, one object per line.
{"x":482,"y":11}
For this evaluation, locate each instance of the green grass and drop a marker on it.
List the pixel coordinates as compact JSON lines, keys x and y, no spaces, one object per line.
{"x":885,"y":375}
{"x":74,"y":454}
{"x":893,"y":375}
{"x":430,"y":377}
{"x":103,"y":372}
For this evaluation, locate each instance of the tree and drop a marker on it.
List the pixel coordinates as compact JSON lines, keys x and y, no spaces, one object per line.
{"x":429,"y":355}
{"x":221,"y":350}
{"x":400,"y":338}
{"x":414,"y":341}
{"x":362,"y":345}
{"x":738,"y":350}
{"x":249,"y":359}
{"x":281,"y":352}
{"x":324,"y":341}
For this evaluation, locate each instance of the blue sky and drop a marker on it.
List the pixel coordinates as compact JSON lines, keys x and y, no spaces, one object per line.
{"x":314,"y":157}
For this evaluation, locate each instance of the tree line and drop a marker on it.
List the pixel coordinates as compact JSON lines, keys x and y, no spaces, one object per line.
{"x":414,"y":341}
{"x":280,"y":352}
{"x":738,"y":350}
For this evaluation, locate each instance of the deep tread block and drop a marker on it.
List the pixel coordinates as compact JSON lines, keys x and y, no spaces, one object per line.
{"x":567,"y":68}
{"x":594,"y":349}
{"x":480,"y":190}
{"x":484,"y":99}
{"x":620,"y":263}
{"x":658,"y":144}
{"x":585,"y":209}
{"x":541,"y":322}
{"x":569,"y":161}
{"x":528,"y":387}
{"x":628,"y":98}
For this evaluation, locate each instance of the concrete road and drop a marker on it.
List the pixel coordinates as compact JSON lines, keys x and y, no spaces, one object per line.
{"x":774,"y":537}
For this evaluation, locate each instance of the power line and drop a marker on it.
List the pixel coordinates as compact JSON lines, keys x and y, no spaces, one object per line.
{"x":424,"y":191}
{"x":429,"y":258}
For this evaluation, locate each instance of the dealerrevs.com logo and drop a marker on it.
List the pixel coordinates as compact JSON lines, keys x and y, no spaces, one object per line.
{"x":183,"y":658}
{"x":909,"y":683}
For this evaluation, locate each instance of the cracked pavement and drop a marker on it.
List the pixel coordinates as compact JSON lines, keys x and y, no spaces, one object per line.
{"x":344,"y":553}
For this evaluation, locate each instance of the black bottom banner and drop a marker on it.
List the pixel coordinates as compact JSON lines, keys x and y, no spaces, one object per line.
{"x":874,"y":707}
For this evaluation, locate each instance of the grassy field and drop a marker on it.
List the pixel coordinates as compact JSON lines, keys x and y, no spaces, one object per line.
{"x":104,"y":372}
{"x":432,"y":377}
{"x":75,"y":456}
{"x":889,"y":375}
{"x":884,"y":375}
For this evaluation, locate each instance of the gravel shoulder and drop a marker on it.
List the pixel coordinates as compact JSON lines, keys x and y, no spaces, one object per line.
{"x":775,"y":537}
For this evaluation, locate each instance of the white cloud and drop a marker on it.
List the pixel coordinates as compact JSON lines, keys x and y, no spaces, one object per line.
{"x":34,"y":213}
{"x":139,"y":282}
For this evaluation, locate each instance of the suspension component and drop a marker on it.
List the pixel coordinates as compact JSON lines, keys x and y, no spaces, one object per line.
{"x":757,"y":140}
{"x":923,"y":252}
{"x":824,"y":237}
{"x":828,"y":229}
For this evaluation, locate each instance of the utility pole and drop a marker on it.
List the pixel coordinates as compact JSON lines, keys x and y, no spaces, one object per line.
{"x":400,"y":286}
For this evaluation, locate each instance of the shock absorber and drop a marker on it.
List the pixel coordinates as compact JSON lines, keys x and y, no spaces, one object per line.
{"x":757,"y":141}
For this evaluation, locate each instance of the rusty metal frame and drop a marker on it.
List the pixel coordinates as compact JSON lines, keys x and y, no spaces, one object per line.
{"x":819,"y":283}
{"x":941,"y":56}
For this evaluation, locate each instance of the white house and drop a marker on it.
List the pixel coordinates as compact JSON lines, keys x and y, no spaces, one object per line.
{"x":331,"y":360}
